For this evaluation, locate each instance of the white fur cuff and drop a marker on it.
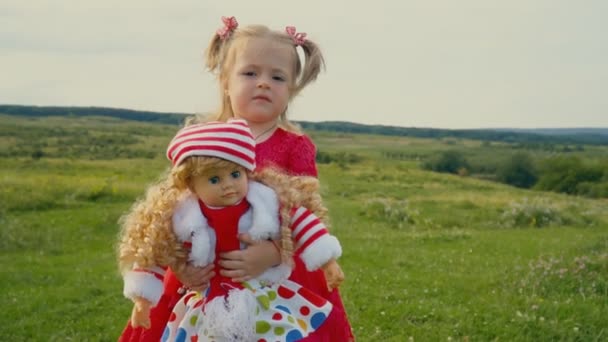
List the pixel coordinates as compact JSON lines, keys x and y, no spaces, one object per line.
{"x":327,"y":247}
{"x":142,"y":284}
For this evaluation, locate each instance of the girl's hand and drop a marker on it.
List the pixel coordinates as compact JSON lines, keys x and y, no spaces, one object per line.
{"x":140,"y":316}
{"x":333,"y":274}
{"x":195,"y":278}
{"x":243,"y":265}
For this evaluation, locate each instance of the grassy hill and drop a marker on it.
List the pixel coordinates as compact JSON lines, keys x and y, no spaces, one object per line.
{"x":427,"y":256}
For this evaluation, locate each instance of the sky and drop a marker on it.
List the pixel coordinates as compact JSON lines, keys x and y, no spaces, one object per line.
{"x":412,"y":63}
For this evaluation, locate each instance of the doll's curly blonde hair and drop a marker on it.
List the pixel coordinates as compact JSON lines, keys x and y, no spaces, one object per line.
{"x":147,"y":238}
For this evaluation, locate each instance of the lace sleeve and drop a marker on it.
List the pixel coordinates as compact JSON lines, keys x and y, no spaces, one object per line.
{"x":302,"y":160}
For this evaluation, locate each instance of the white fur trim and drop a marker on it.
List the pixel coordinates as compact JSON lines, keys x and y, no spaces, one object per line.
{"x":142,"y":284}
{"x":203,"y":248}
{"x":265,"y":205}
{"x":325,"y":248}
{"x":232,"y":318}
{"x":275,"y":275}
{"x":187,"y":217}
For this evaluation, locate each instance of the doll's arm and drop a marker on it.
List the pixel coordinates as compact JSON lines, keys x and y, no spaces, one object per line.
{"x":313,"y":239}
{"x":333,"y":274}
{"x":146,"y":283}
{"x":140,"y":316}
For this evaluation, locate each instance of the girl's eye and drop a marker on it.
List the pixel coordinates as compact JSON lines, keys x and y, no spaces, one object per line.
{"x":278,"y":78}
{"x":236,"y":174}
{"x":214,"y":180}
{"x":249,"y":73}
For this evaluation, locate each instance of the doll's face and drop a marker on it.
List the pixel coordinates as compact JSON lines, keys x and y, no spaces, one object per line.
{"x":221,"y":187}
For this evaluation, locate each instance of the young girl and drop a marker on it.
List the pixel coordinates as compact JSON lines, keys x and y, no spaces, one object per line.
{"x":211,"y":201}
{"x":256,"y":59}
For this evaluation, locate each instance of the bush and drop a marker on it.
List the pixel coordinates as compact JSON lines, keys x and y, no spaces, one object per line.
{"x":518,"y":171}
{"x":340,"y":158}
{"x":535,"y":213}
{"x":568,"y":174}
{"x":395,"y":213}
{"x":448,"y":161}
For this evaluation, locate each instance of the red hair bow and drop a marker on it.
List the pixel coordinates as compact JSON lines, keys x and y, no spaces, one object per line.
{"x":230,"y":24}
{"x":299,"y":38}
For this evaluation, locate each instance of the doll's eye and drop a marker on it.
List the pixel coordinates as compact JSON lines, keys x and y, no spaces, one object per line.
{"x":236,"y":174}
{"x":214,"y":180}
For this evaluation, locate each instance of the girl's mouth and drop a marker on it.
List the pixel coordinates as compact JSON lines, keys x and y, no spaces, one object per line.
{"x":262,"y":98}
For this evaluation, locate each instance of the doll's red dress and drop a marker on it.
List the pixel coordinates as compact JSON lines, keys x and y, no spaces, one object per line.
{"x":294,"y":154}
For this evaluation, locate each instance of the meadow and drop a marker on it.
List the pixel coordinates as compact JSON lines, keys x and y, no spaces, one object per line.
{"x":428,"y":256}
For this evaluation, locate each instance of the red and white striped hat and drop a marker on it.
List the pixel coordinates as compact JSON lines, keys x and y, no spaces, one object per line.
{"x":230,"y":140}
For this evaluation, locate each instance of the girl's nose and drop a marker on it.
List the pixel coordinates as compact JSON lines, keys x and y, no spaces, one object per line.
{"x":263,"y":84}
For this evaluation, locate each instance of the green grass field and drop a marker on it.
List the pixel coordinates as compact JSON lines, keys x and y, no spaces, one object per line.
{"x":427,"y":256}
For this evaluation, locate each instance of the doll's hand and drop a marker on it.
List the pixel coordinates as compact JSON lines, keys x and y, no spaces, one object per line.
{"x":333,"y":274}
{"x":195,"y":278}
{"x":243,"y":265}
{"x":140,"y":317}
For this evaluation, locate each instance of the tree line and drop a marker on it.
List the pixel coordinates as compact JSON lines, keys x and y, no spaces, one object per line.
{"x":597,"y":137}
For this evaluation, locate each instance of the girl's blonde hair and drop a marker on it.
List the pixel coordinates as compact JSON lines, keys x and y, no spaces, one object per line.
{"x":147,"y":238}
{"x":221,"y":56}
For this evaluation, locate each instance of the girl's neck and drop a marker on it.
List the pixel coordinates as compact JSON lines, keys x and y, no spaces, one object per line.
{"x":263,"y":130}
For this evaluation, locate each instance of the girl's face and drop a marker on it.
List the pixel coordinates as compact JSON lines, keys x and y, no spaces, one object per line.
{"x":221,"y":187}
{"x":258,"y":84}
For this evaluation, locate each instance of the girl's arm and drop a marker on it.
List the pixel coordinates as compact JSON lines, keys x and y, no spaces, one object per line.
{"x":194,"y":277}
{"x":243,"y":265}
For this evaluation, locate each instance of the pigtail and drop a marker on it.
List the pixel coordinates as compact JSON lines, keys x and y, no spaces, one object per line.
{"x":313,"y":63}
{"x":213,"y":54}
{"x":147,"y":238}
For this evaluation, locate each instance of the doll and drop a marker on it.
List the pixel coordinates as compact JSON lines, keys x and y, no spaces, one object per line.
{"x":210,"y":196}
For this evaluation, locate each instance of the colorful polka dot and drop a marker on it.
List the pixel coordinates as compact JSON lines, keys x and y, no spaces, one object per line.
{"x":199,"y":303}
{"x":181,"y":335}
{"x":304,"y":310}
{"x":318,"y":301}
{"x":262,"y":327}
{"x":279,"y":331}
{"x":193,"y":320}
{"x":283,"y":308}
{"x":264,"y":301}
{"x":285,"y":292}
{"x":317,"y":319}
{"x":165,"y":336}
{"x":277,"y":317}
{"x":302,"y":324}
{"x":293,"y":335}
